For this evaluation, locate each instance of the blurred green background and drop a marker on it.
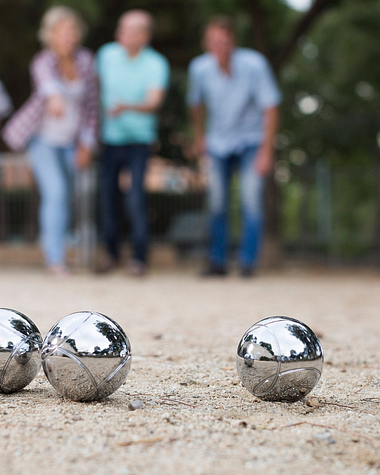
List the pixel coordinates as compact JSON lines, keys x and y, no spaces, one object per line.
{"x":324,"y":198}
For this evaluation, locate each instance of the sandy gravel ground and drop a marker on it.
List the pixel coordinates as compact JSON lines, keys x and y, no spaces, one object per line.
{"x":196,"y":417}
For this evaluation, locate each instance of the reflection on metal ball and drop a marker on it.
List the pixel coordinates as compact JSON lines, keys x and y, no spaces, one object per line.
{"x":279,"y":359}
{"x":86,"y":356}
{"x":20,"y":350}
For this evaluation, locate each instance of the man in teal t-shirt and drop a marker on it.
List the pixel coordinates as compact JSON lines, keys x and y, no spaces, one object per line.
{"x":133,"y":79}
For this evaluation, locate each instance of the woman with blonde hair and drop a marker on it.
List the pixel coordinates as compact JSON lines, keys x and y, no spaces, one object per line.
{"x":58,"y":124}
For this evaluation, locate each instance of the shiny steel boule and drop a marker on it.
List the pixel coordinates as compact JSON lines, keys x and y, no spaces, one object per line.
{"x":279,"y":359}
{"x":86,"y":356}
{"x":20,"y":350}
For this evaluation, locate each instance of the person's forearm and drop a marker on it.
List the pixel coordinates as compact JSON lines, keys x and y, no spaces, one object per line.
{"x":271,"y":120}
{"x":197,"y":115}
{"x":147,"y":108}
{"x":152,"y":104}
{"x":265,"y":158}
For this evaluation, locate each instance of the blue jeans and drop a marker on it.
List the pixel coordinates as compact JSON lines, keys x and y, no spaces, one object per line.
{"x":251,"y":197}
{"x":53,"y":168}
{"x":115,"y":158}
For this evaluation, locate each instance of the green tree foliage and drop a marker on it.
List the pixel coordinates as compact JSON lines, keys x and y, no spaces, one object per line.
{"x":331,"y":113}
{"x":334,"y":62}
{"x":331,"y":87}
{"x":326,"y":60}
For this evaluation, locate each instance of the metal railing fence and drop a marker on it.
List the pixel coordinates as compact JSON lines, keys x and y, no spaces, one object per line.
{"x":325,"y":212}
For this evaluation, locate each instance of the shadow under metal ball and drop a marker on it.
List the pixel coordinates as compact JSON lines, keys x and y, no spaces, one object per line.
{"x":86,"y":356}
{"x":20,"y":347}
{"x":279,"y":359}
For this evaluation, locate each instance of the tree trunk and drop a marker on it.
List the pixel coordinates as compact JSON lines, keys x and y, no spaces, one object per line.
{"x":304,"y":24}
{"x":272,"y":251}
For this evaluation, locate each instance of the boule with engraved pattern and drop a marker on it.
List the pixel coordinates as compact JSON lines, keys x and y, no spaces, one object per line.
{"x":279,"y":359}
{"x":20,"y":350}
{"x":86,"y":356}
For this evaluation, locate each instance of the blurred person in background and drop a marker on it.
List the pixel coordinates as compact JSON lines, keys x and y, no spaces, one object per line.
{"x":133,"y":79}
{"x":57,"y":125}
{"x":233,"y":99}
{"x":5,"y":103}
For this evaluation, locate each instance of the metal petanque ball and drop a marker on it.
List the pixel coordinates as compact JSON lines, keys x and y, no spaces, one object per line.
{"x":20,"y":350}
{"x":279,"y":359}
{"x":86,"y":356}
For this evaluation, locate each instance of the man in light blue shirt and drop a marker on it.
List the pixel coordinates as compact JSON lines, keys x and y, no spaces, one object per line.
{"x":133,"y":79}
{"x":233,"y":99}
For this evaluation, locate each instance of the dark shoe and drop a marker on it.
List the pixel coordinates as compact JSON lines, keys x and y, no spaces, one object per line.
{"x":247,"y":272}
{"x":108,"y":264}
{"x":59,"y":270}
{"x":214,"y":271}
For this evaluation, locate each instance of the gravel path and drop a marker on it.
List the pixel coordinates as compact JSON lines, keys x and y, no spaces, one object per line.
{"x":196,"y":418}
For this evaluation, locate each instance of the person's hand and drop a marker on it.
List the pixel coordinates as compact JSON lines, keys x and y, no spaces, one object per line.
{"x":83,"y":157}
{"x":55,"y":106}
{"x":264,"y":161}
{"x":117,"y":110}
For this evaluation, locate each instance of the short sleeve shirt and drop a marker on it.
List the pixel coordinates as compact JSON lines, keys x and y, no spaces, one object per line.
{"x":235,"y":103}
{"x":125,"y":80}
